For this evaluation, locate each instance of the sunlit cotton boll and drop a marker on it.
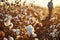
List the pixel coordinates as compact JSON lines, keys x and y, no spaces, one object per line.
{"x":36,"y":38}
{"x":52,"y":34}
{"x":11,"y":25}
{"x":11,"y":38}
{"x":16,"y":31}
{"x":55,"y":30}
{"x":52,"y":26}
{"x":34,"y":34}
{"x":7,"y":22}
{"x":5,"y":38}
{"x":8,"y":17}
{"x":29,"y":29}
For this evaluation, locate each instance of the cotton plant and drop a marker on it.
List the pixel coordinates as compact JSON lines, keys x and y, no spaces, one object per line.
{"x":11,"y":38}
{"x":8,"y":17}
{"x":52,"y":26}
{"x":53,"y":18}
{"x":11,"y":26}
{"x":16,"y":31}
{"x":34,"y":34}
{"x":27,"y":21}
{"x":19,"y":15}
{"x":58,"y":25}
{"x":30,"y":30}
{"x":54,"y":33}
{"x":7,"y":22}
{"x":36,"y":39}
{"x":5,"y":38}
{"x":16,"y":18}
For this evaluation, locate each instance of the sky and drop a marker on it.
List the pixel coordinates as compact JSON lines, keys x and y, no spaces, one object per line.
{"x":42,"y":3}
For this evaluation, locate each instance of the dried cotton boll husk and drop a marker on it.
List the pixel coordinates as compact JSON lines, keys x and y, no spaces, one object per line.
{"x":11,"y":38}
{"x":42,"y":17}
{"x":58,"y":25}
{"x":5,"y":38}
{"x":52,"y":19}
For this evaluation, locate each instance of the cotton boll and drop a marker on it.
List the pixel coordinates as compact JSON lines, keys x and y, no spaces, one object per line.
{"x":52,"y":34}
{"x":8,"y":17}
{"x":19,"y":15}
{"x":11,"y":38}
{"x":5,"y":38}
{"x":16,"y":31}
{"x":27,"y":21}
{"x":16,"y":18}
{"x":11,"y":25}
{"x":7,"y":22}
{"x":55,"y":30}
{"x":29,"y":29}
{"x":36,"y":38}
{"x":51,"y":26}
{"x":34,"y":35}
{"x":29,"y":33}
